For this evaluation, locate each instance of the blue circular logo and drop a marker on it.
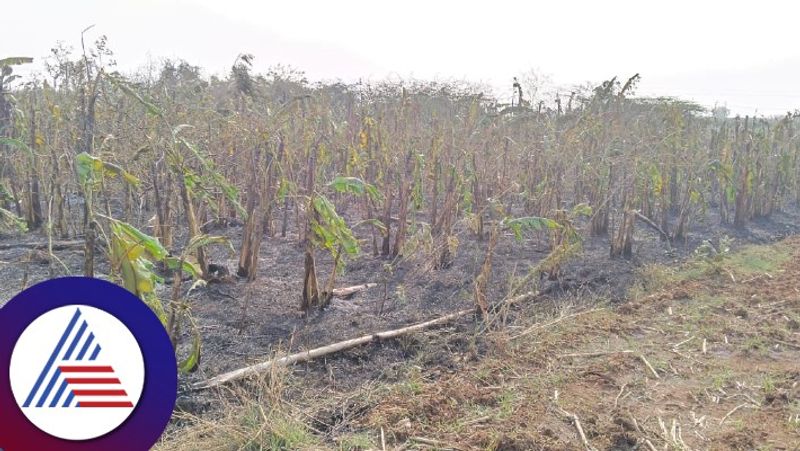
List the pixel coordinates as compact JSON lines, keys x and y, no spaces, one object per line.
{"x":89,"y":367}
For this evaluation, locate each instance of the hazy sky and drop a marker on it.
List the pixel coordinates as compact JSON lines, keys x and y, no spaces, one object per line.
{"x":744,"y":55}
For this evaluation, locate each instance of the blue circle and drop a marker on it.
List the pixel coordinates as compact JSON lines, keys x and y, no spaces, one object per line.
{"x":151,"y":415}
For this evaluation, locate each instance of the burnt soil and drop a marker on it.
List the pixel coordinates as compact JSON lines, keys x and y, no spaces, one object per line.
{"x":709,"y":360}
{"x":243,"y":323}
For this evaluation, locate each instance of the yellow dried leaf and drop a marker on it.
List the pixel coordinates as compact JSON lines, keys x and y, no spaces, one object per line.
{"x":144,"y":286}
{"x":363,"y":139}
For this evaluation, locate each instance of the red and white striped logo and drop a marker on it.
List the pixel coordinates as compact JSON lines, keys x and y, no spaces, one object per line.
{"x":89,"y":377}
{"x":93,"y":386}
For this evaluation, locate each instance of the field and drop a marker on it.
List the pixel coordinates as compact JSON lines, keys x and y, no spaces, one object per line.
{"x":690,"y":360}
{"x":602,"y":272}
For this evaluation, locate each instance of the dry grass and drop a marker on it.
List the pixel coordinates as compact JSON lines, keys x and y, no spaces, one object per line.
{"x":256,"y":417}
{"x":695,"y":360}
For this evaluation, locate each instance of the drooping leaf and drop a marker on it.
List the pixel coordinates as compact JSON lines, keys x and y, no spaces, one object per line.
{"x":130,"y":92}
{"x":151,"y":244}
{"x":215,"y":178}
{"x":154,"y":303}
{"x":206,"y":240}
{"x":189,"y":267}
{"x":11,"y":222}
{"x":331,"y":230}
{"x":530,"y":223}
{"x":197,"y":284}
{"x":373,"y":222}
{"x":84,"y":167}
{"x":191,"y":362}
{"x":179,"y":128}
{"x":90,"y":169}
{"x":348,"y":185}
{"x":13,"y":142}
{"x":286,"y":187}
{"x":581,"y":209}
{"x":15,"y":61}
{"x":730,"y":193}
{"x":655,"y":179}
{"x":113,"y":169}
{"x":354,"y":185}
{"x":138,"y":274}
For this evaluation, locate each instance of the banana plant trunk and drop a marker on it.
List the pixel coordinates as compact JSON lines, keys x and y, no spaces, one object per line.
{"x":194,"y":228}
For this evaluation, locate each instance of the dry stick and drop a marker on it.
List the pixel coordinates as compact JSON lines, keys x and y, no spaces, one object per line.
{"x":787,"y":344}
{"x":664,"y":432}
{"x":595,"y":354}
{"x":347,"y":291}
{"x":342,"y":345}
{"x":517,"y":299}
{"x":435,"y":443}
{"x":325,"y":350}
{"x":621,"y":390}
{"x":477,"y":420}
{"x":733,"y":279}
{"x":577,"y":422}
{"x":653,"y":225}
{"x":650,"y":367}
{"x":678,"y":345}
{"x":733,"y":411}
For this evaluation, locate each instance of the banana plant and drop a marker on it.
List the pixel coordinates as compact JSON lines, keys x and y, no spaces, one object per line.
{"x":135,"y":254}
{"x":193,"y":185}
{"x":564,"y":237}
{"x":7,"y":76}
{"x":92,"y":173}
{"x":9,"y":222}
{"x":329,"y":231}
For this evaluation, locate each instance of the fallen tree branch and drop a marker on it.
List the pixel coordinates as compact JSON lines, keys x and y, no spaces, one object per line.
{"x":342,"y":345}
{"x":653,"y":225}
{"x":349,"y":291}
{"x":516,"y":299}
{"x":57,"y":245}
{"x":325,"y":350}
